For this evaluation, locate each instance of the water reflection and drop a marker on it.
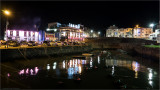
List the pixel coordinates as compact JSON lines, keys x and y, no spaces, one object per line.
{"x":48,"y":67}
{"x":54,"y":65}
{"x":113,"y":70}
{"x":29,"y":71}
{"x":135,"y":67}
{"x":98,"y":59}
{"x":91,"y":65}
{"x":150,"y":76}
{"x":75,"y":67}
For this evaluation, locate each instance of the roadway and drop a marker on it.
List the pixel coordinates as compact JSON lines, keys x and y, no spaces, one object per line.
{"x":39,"y":46}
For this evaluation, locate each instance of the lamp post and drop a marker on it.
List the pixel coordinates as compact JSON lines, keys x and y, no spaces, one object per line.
{"x":91,"y":32}
{"x":7,"y":13}
{"x":151,"y":25}
{"x":99,"y":34}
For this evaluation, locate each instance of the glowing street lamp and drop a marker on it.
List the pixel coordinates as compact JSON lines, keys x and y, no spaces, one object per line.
{"x":99,"y":33}
{"x":151,"y":25}
{"x":7,"y":12}
{"x":91,"y":31}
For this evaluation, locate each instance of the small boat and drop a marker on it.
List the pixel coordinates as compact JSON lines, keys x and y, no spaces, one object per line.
{"x":79,"y":57}
{"x":87,"y":54}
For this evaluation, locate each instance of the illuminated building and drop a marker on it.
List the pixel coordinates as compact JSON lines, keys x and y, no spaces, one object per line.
{"x":22,"y":35}
{"x":70,"y":32}
{"x":156,"y":35}
{"x":140,"y":32}
{"x":112,"y":31}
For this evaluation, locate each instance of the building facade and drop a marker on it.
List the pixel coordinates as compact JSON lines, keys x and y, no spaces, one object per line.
{"x":140,"y":32}
{"x":112,"y":31}
{"x":22,"y":35}
{"x":65,"y":32}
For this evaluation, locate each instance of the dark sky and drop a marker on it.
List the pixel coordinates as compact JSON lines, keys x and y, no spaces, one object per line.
{"x":95,"y":15}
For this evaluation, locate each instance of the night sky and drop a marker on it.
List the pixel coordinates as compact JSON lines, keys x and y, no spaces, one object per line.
{"x":95,"y":15}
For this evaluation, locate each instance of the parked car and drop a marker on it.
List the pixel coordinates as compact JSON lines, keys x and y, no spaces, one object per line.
{"x":32,"y":43}
{"x":46,"y":43}
{"x":65,"y":43}
{"x":52,"y":43}
{"x":59,"y":43}
{"x":24,"y":43}
{"x":69,"y":43}
{"x":3,"y":42}
{"x":12,"y":43}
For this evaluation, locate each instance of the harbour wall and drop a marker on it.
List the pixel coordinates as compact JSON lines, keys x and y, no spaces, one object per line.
{"x":131,"y":45}
{"x":25,"y":53}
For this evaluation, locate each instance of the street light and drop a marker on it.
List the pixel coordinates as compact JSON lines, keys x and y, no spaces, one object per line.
{"x":7,"y":13}
{"x":151,"y":25}
{"x":91,"y":31}
{"x":99,"y":33}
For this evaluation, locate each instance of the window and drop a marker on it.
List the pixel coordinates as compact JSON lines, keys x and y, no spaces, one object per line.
{"x":29,"y":34}
{"x":17,"y":33}
{"x":11,"y":33}
{"x":25,"y":34}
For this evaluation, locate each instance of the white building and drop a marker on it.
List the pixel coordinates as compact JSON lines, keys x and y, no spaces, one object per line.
{"x":21,"y":35}
{"x":112,"y":31}
{"x":154,"y":35}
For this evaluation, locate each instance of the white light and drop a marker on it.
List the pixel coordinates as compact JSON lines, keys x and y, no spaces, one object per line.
{"x":21,"y":33}
{"x":91,"y":62}
{"x":150,"y":75}
{"x":64,"y":64}
{"x":55,"y":63}
{"x":98,"y":60}
{"x":54,"y":67}
{"x":151,"y":25}
{"x":48,"y":29}
{"x":55,"y":30}
{"x":64,"y":33}
{"x":91,"y":31}
{"x":48,"y":67}
{"x":112,"y":70}
{"x":14,"y":33}
{"x":99,"y":32}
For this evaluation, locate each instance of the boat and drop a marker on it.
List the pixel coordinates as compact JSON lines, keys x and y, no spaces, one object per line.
{"x":87,"y":54}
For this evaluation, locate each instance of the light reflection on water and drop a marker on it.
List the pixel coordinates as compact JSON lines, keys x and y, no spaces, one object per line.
{"x":132,"y":65}
{"x":29,"y":71}
{"x":74,"y":67}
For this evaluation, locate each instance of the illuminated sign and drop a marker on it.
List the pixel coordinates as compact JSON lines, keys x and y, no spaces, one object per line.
{"x":74,"y":25}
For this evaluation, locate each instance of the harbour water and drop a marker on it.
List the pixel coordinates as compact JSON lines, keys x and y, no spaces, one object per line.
{"x":103,"y":70}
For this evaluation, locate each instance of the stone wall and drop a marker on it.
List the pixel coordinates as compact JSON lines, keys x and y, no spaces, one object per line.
{"x":131,"y":45}
{"x":23,"y":53}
